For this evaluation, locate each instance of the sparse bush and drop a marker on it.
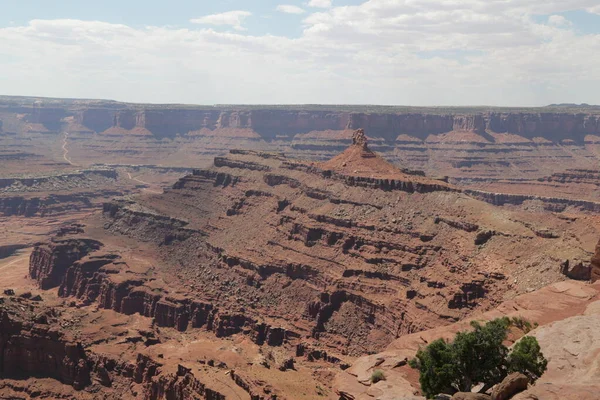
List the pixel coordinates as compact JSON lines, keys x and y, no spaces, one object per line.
{"x":522,"y":324}
{"x":377,"y":376}
{"x":527,"y":358}
{"x":475,"y":357}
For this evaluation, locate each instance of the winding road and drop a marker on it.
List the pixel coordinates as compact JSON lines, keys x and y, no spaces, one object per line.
{"x":144,"y":183}
{"x":65,"y":150}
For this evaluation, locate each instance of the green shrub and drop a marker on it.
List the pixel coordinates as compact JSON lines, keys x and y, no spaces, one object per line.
{"x":527,"y":358}
{"x":377,"y":376}
{"x":522,"y":324}
{"x":475,"y":357}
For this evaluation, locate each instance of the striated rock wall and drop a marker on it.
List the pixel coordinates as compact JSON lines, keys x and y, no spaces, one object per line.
{"x":64,"y":264}
{"x":180,"y":385}
{"x":595,"y":267}
{"x":34,"y":348}
{"x":555,"y":204}
{"x":269,"y":122}
{"x":48,"y":262}
{"x":33,"y":345}
{"x":44,"y":206}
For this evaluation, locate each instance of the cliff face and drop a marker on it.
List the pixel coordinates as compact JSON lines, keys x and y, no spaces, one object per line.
{"x":29,"y":346}
{"x":269,"y":123}
{"x":468,"y":144}
{"x":72,"y":265}
{"x":48,"y":262}
{"x":595,"y":267}
{"x":33,"y":343}
{"x":45,"y":205}
{"x":168,"y":121}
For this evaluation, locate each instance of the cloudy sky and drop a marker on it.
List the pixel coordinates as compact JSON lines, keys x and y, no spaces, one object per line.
{"x":405,"y":52}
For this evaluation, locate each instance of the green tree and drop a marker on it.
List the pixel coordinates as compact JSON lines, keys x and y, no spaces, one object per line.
{"x":527,"y":358}
{"x":437,"y":367}
{"x":474,"y":357}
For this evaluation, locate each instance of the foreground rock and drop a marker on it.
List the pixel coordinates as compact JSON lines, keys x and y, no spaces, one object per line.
{"x":510,"y":386}
{"x":553,"y":303}
{"x":470,"y":396}
{"x":572,"y":347}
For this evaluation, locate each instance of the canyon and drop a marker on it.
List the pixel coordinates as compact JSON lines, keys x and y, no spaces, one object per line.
{"x":284,"y":252}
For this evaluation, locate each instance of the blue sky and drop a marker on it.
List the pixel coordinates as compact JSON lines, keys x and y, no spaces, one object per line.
{"x":177,"y":13}
{"x":413,"y":52}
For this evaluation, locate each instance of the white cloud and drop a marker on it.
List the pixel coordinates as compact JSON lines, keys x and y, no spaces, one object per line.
{"x":320,"y":3}
{"x":594,"y":10}
{"x":558,"y":20}
{"x":289,"y":9}
{"x":233,"y":18}
{"x":419,"y":52}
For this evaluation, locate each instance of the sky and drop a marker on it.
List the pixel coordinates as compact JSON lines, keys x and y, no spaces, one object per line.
{"x":395,"y":52}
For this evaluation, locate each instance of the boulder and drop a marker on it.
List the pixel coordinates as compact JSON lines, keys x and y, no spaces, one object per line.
{"x":576,"y":269}
{"x":288,"y":363}
{"x":510,"y":386}
{"x":470,"y":396}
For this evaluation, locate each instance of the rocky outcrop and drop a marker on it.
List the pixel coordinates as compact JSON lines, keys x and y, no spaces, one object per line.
{"x":555,"y":204}
{"x":595,"y":264}
{"x":29,"y":346}
{"x":179,"y":385}
{"x":32,"y":344}
{"x":569,"y":345}
{"x":462,"y":225}
{"x":510,"y":386}
{"x":270,"y":122}
{"x":392,"y":184}
{"x":576,"y":269}
{"x":49,"y":262}
{"x":572,"y":349}
{"x":470,"y":396}
{"x":50,"y":181}
{"x":54,"y":204}
{"x":67,"y":264}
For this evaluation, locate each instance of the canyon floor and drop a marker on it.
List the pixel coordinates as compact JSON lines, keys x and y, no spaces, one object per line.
{"x":277,"y":254}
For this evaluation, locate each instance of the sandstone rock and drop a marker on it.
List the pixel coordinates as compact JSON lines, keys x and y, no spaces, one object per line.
{"x":470,"y":396}
{"x":510,"y":386}
{"x":572,"y":347}
{"x":551,"y":391}
{"x":286,"y":364}
{"x":483,"y":236}
{"x":595,"y":264}
{"x":30,"y":349}
{"x":576,"y":269}
{"x":546,"y":305}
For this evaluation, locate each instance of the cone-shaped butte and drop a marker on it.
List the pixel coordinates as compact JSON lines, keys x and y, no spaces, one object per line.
{"x":359,"y":160}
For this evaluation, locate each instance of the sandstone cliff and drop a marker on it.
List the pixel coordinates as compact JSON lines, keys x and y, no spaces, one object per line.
{"x":270,"y":121}
{"x":34,"y":342}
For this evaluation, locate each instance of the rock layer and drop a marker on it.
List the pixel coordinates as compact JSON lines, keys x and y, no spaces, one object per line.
{"x":33,"y":345}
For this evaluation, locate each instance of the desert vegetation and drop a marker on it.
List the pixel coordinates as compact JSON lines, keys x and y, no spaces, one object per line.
{"x":476,"y":357}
